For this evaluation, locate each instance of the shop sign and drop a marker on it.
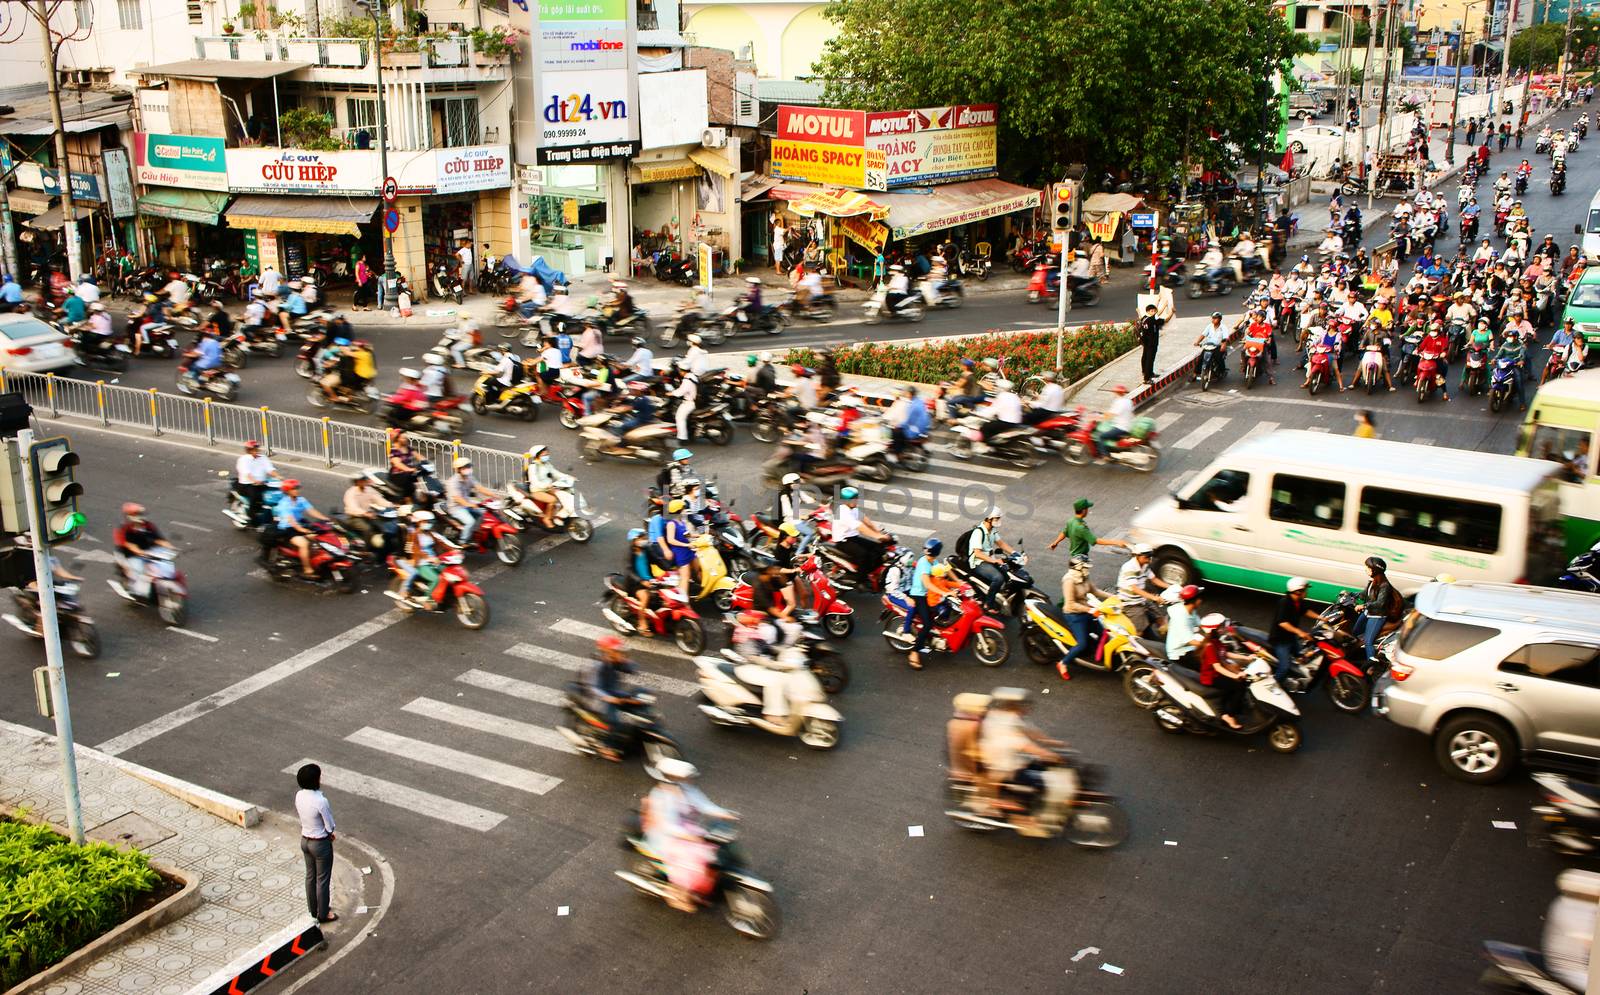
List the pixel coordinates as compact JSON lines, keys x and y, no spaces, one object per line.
{"x":994,"y":210}
{"x":252,"y":250}
{"x":1142,"y":219}
{"x":585,"y":84}
{"x":821,"y":124}
{"x":119,"y":183}
{"x":302,"y":171}
{"x":482,"y":167}
{"x":1105,"y":229}
{"x":865,"y":232}
{"x":935,"y":145}
{"x":829,"y":165}
{"x":85,"y":186}
{"x":191,"y":161}
{"x":658,"y":172}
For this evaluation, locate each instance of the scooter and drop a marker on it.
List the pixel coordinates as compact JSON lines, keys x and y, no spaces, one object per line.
{"x":520,"y":400}
{"x":76,"y":628}
{"x":1211,"y":366}
{"x":1137,"y":450}
{"x":1045,"y":285}
{"x":910,"y":307}
{"x":1570,"y":814}
{"x":572,"y":513}
{"x":1083,"y":813}
{"x":1558,"y":182}
{"x":106,"y":354}
{"x":652,"y":442}
{"x":451,"y":592}
{"x":1428,"y":378}
{"x":1474,"y":376}
{"x":1320,"y":362}
{"x":443,"y":417}
{"x":1583,"y":573}
{"x":710,"y":573}
{"x":1046,"y":638}
{"x":1326,"y":659}
{"x":1016,"y":584}
{"x":220,"y":384}
{"x":637,"y":731}
{"x":1251,"y":361}
{"x":969,"y":622}
{"x":945,"y":294}
{"x":1012,"y":444}
{"x":364,"y":401}
{"x":837,"y":616}
{"x":1371,"y":369}
{"x":1186,"y":705}
{"x":669,"y":613}
{"x":867,"y":460}
{"x":824,"y":662}
{"x":747,"y":900}
{"x":1500,"y":383}
{"x":426,"y":491}
{"x":1202,"y":283}
{"x":332,"y":563}
{"x":168,"y":591}
{"x":237,"y":507}
{"x":498,"y":531}
{"x":736,"y":696}
{"x":1520,"y":969}
{"x":447,"y":285}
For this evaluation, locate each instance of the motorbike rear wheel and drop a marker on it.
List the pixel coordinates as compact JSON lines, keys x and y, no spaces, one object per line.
{"x":615,"y":605}
{"x":839,"y":626}
{"x":990,"y":647}
{"x":689,"y":636}
{"x":1039,"y":649}
{"x":1349,"y":693}
{"x":1076,"y":453}
{"x":472,"y":611}
{"x":580,"y":529}
{"x":914,"y":459}
{"x":1098,"y":825}
{"x":1284,"y":737}
{"x":764,"y":429}
{"x":819,"y":734}
{"x":509,"y":549}
{"x":568,"y":419}
{"x":1138,"y":682}
{"x":84,"y":639}
{"x":172,"y":608}
{"x":751,"y":912}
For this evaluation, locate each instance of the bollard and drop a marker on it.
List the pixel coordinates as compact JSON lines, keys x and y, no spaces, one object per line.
{"x":100,"y":400}
{"x":327,"y":448}
{"x":205,"y":416}
{"x":50,"y":394}
{"x":266,"y":436}
{"x":155,"y":414}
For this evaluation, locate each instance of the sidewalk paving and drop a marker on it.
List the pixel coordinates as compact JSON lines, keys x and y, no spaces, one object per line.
{"x":251,"y":880}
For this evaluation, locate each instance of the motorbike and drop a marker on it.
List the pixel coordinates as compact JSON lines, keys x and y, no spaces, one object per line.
{"x":451,"y":593}
{"x":637,"y":731}
{"x":1014,"y":444}
{"x":77,"y":629}
{"x":332,"y":563}
{"x":1569,"y":815}
{"x":1137,"y":450}
{"x":1185,"y":705}
{"x":599,"y":435}
{"x":1333,"y":657}
{"x":1251,"y":360}
{"x":910,"y":307}
{"x":1045,"y":285}
{"x":426,"y":491}
{"x":944,"y":294}
{"x":447,"y":285}
{"x":1371,"y":369}
{"x":968,"y":622}
{"x":669,"y":613}
{"x":836,"y":615}
{"x":251,"y":339}
{"x":443,"y":417}
{"x":1210,"y":367}
{"x":1408,"y":356}
{"x":364,"y":401}
{"x":378,"y":537}
{"x":224,"y":386}
{"x":476,"y":355}
{"x":1520,"y":969}
{"x":748,"y":905}
{"x":867,"y":460}
{"x":736,"y":693}
{"x":157,"y":339}
{"x":498,"y":531}
{"x":1469,"y":229}
{"x":1202,"y":283}
{"x":1500,"y":383}
{"x":168,"y":590}
{"x":572,"y":513}
{"x":1474,"y":376}
{"x":1046,"y":638}
{"x":974,"y":264}
{"x":237,"y":507}
{"x":769,"y":318}
{"x":824,"y":662}
{"x":107,"y":354}
{"x":712,"y":422}
{"x":1015,"y":588}
{"x":520,"y":400}
{"x":1583,"y":573}
{"x":1428,"y":379}
{"x":1558,"y":182}
{"x":1085,"y":815}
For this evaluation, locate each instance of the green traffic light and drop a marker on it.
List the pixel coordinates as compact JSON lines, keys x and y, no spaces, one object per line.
{"x":74,"y":521}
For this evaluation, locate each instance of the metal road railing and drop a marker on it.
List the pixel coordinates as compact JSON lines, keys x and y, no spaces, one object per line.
{"x":229,"y":425}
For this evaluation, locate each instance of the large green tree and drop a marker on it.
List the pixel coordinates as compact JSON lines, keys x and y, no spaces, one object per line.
{"x":1540,"y":46}
{"x":1116,"y":84}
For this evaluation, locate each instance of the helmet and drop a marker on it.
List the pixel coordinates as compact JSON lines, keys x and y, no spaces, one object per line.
{"x":1008,"y":696}
{"x":422,"y":517}
{"x":993,"y":514}
{"x":609,"y":643}
{"x":1216,"y":314}
{"x":693,"y":340}
{"x":1296,"y":584}
{"x":636,"y":534}
{"x":940,"y":569}
{"x":933,"y":547}
{"x":750,"y":618}
{"x":766,"y":357}
{"x":789,"y":529}
{"x":1049,"y":376}
{"x":680,"y":454}
{"x":1376,"y":563}
{"x":750,"y":360}
{"x":341,"y":341}
{"x":676,"y":506}
{"x":967,"y":363}
{"x":673,"y":769}
{"x":539,"y":452}
{"x":637,"y":342}
{"x":1003,"y":384}
{"x":407,"y":373}
{"x":460,"y":463}
{"x":132,"y":509}
{"x":798,"y":370}
{"x":290,"y":485}
{"x":849,"y":494}
{"x":251,"y":444}
{"x":1213,"y":622}
{"x":790,"y":479}
{"x":1190,"y":592}
{"x":1142,"y":549}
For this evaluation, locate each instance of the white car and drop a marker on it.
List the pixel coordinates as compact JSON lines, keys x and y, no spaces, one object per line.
{"x":28,"y":345}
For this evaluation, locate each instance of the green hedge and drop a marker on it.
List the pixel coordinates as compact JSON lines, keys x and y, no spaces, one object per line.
{"x":1025,"y":353}
{"x":56,"y":897}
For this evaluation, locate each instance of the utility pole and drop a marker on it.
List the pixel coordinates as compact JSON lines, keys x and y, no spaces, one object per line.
{"x":371,"y":7}
{"x":1505,"y":64}
{"x":1361,"y":102}
{"x":1347,"y":33}
{"x":69,"y":212}
{"x":1383,"y":98}
{"x":1455,"y":96}
{"x":8,"y":232}
{"x":1566,"y":46}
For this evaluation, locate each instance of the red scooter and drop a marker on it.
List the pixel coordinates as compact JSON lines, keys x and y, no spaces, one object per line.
{"x":669,"y":612}
{"x":499,"y":531}
{"x":1055,"y":431}
{"x":452,"y":592}
{"x":970,"y":622}
{"x":332,"y":563}
{"x":1321,"y":369}
{"x":837,"y":617}
{"x":1427,"y":375}
{"x":1252,"y":362}
{"x":1083,"y":447}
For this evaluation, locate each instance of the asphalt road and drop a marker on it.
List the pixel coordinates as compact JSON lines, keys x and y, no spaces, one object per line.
{"x":1354,"y":865}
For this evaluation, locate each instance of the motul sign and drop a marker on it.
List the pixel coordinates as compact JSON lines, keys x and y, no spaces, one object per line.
{"x":821,"y":124}
{"x":895,"y":123}
{"x":975,"y":116}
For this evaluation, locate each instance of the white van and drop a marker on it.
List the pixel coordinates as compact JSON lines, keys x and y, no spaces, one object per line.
{"x":1591,"y":231}
{"x":1293,"y":503}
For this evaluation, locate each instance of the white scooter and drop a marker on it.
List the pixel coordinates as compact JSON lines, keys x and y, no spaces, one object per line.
{"x":1186,"y":705}
{"x":652,"y":442}
{"x":744,"y":693}
{"x":167,"y":590}
{"x":572,"y":514}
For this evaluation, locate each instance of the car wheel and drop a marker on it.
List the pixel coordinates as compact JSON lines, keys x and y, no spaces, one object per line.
{"x":1175,"y":568}
{"x":1476,"y":748}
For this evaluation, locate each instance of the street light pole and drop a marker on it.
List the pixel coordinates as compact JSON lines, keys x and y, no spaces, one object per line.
{"x":69,"y":212}
{"x":1455,"y":95}
{"x":383,"y":143}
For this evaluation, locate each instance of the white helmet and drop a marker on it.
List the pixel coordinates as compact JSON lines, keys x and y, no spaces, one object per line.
{"x":539,"y":452}
{"x":408,"y":373}
{"x":433,"y":359}
{"x":790,"y":479}
{"x":1003,"y":384}
{"x":1297,"y":584}
{"x":673,"y":769}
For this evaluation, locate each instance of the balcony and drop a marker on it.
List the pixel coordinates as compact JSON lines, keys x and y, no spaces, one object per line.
{"x":435,"y":59}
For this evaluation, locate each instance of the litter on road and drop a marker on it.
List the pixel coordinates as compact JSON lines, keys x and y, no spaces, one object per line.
{"x":1086,"y":951}
{"x":913,"y":831}
{"x":563,"y":910}
{"x":1498,"y":824}
{"x":1111,"y":968}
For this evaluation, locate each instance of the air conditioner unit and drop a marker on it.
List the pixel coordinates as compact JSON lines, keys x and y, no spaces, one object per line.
{"x":715,"y":138}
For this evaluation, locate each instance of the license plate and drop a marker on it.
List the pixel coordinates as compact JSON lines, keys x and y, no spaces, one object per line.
{"x":49,"y":350}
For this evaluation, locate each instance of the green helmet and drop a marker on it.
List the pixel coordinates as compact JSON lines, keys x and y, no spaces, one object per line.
{"x":1142,"y":427}
{"x":750,"y":360}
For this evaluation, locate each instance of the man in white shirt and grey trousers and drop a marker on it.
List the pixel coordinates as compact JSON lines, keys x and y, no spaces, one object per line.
{"x":316,"y":840}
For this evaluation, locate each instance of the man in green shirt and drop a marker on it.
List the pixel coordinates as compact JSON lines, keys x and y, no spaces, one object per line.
{"x":1080,"y":538}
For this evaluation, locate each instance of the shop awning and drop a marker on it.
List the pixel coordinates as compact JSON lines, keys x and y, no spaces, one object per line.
{"x":807,"y":199}
{"x":50,"y":220}
{"x":932,"y":209}
{"x":29,"y":201}
{"x":663,"y":170}
{"x":286,"y":212}
{"x":213,"y":69}
{"x":203,"y":207}
{"x":756,"y":187}
{"x":712,"y":162}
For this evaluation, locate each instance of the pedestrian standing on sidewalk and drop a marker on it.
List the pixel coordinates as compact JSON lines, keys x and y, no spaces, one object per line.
{"x":363,"y":294}
{"x":780,"y":235}
{"x":1150,"y":340}
{"x":1472,"y":131}
{"x":316,"y":840}
{"x":464,"y":256}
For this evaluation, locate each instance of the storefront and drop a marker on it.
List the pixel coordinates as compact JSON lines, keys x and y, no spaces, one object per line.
{"x":662,"y":191}
{"x":183,"y":228}
{"x":297,"y":235}
{"x":447,"y":222}
{"x":569,"y":218}
{"x":974,"y":214}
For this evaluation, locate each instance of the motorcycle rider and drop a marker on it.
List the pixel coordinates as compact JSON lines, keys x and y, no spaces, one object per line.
{"x":1116,"y":423}
{"x":406,"y":403}
{"x":462,"y":492}
{"x":673,"y":817}
{"x":1512,"y":348}
{"x":362,"y":502}
{"x":543,"y":478}
{"x":636,"y":579}
{"x":1220,"y":668}
{"x":206,"y":361}
{"x":435,"y":377}
{"x":1004,"y":409}
{"x":98,"y":335}
{"x":419,"y":561}
{"x":293,"y":306}
{"x":1286,"y":634}
{"x":604,"y":688}
{"x":1330,"y":339}
{"x":986,"y":553}
{"x":1078,"y":614}
{"x":1140,"y":590}
{"x":1052,"y":400}
{"x":1381,"y":605}
{"x":1215,"y":334}
{"x":961,"y":743}
{"x":505,"y":374}
{"x":856,"y":536}
{"x":966,"y":391}
{"x":908,"y":419}
{"x":1183,"y":623}
{"x":136,"y":535}
{"x":290,"y":517}
{"x":1015,"y":752}
{"x":1212,"y":264}
{"x":250,"y":473}
{"x":748,"y":306}
{"x":641,"y":363}
{"x":1437,"y":344}
{"x":461,"y":338}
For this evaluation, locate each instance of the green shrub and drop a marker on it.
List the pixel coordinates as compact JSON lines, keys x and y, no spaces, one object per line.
{"x":1025,"y":354}
{"x":56,"y":897}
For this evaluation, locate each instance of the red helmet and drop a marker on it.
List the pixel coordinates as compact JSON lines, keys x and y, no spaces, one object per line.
{"x":798,"y":370}
{"x":609,"y":643}
{"x":252,"y":444}
{"x":1190,"y":592}
{"x":132,"y":509}
{"x":290,"y":485}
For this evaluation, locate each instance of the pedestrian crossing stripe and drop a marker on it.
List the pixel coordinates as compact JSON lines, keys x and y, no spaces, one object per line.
{"x":406,"y":797}
{"x":967,"y":467}
{"x":574,"y":664}
{"x":499,"y":725}
{"x":1210,"y":427}
{"x":457,"y":761}
{"x":512,"y":687}
{"x":590,"y":631}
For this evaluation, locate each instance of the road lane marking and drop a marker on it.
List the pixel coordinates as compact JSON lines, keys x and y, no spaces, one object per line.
{"x":497,"y":435}
{"x":469,"y":718}
{"x":92,"y":556}
{"x":967,"y":467}
{"x":191,"y":634}
{"x":1319,"y":429}
{"x":576,"y":664}
{"x":1423,"y":442}
{"x":458,"y":761}
{"x":1260,"y":428}
{"x":905,"y":528}
{"x":588,"y":630}
{"x":960,"y":483}
{"x":1166,"y":418}
{"x":525,"y":690}
{"x":1210,"y":427}
{"x":411,"y":799}
{"x":190,"y":525}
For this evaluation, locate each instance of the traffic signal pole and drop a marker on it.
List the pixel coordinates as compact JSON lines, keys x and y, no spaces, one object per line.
{"x":45,"y":578}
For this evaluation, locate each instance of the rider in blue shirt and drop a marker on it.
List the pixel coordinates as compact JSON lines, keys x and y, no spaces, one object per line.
{"x":10,"y":290}
{"x":208,"y":354}
{"x":292,"y":517}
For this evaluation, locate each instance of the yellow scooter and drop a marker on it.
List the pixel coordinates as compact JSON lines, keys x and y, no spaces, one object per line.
{"x":1046,"y":638}
{"x":710,"y":575}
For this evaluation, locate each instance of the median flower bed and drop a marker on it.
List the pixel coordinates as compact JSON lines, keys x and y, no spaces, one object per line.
{"x":1025,"y":353}
{"x":56,"y":897}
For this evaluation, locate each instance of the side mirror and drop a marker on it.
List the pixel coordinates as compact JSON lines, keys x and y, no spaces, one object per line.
{"x":1577,"y":229}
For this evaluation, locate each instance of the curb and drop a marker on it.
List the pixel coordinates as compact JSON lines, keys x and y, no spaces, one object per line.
{"x":249,"y":970}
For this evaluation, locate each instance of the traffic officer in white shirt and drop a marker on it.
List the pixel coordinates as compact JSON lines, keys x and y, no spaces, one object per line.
{"x":252,"y":471}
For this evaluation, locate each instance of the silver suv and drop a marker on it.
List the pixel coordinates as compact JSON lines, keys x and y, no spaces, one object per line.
{"x":1495,"y":673}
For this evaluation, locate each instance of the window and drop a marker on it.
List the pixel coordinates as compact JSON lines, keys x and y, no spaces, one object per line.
{"x":129,"y":17}
{"x":1300,"y":18}
{"x":1429,"y":518}
{"x":1585,"y":294}
{"x":1567,"y":663}
{"x":361,"y":113}
{"x":83,"y":10}
{"x":196,"y":12}
{"x":1305,"y":501}
{"x":1569,"y":446}
{"x":455,"y":122}
{"x":1435,"y":639}
{"x":1222,"y":492}
{"x":328,"y":107}
{"x":1594,"y":220}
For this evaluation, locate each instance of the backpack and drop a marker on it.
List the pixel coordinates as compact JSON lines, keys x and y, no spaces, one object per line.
{"x":903,"y":569}
{"x":963,"y":546}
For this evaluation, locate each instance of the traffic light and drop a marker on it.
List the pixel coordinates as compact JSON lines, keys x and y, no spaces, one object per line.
{"x":55,"y":490}
{"x":1064,"y":203}
{"x":13,"y":513}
